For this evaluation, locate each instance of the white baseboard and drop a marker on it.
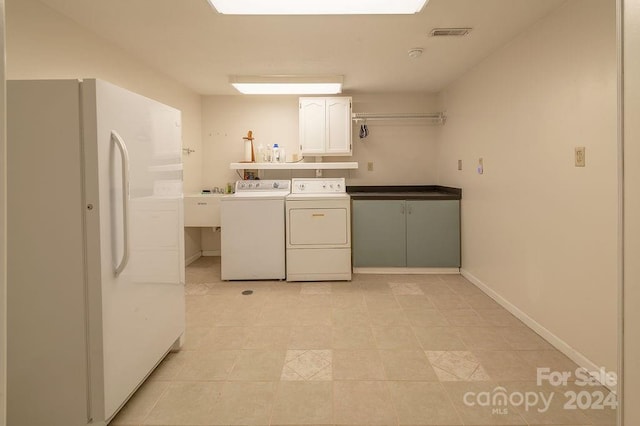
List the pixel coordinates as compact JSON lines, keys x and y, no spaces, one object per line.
{"x":211,"y":253}
{"x":554,"y":340}
{"x":406,"y":271}
{"x":189,"y":260}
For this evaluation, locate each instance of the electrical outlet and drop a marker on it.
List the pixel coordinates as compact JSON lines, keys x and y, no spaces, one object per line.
{"x":459,"y":164}
{"x":370,"y":166}
{"x":580,"y":156}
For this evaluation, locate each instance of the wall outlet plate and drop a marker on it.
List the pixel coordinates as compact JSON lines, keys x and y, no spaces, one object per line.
{"x":370,"y":166}
{"x":459,"y":164}
{"x":580,"y":156}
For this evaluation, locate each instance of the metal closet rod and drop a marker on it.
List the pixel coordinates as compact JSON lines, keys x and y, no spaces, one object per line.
{"x":367,"y":116}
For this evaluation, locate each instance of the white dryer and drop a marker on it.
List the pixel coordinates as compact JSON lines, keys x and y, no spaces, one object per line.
{"x":318,"y":223}
{"x":253,"y":229}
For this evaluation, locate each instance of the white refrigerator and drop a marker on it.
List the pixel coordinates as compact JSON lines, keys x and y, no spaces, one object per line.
{"x":95,"y":248}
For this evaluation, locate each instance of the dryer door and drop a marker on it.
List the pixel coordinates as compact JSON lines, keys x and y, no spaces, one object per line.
{"x":318,"y":227}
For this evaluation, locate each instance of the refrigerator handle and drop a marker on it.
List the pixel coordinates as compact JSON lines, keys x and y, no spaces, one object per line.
{"x":124,"y":154}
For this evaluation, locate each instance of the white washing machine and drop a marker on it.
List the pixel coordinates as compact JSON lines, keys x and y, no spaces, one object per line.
{"x":318,"y":230}
{"x":253,"y":229}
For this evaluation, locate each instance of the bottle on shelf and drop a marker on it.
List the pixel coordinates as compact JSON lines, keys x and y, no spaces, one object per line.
{"x":275,"y":157}
{"x":268,"y":154}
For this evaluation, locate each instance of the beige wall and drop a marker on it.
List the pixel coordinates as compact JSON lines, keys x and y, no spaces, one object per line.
{"x":402,"y":152}
{"x":192,"y":244}
{"x":3,"y":229}
{"x":632,"y":212}
{"x":226,"y":119}
{"x":42,"y":43}
{"x":537,"y":231}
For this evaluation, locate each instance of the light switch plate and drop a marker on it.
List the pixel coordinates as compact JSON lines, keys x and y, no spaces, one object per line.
{"x":370,"y":166}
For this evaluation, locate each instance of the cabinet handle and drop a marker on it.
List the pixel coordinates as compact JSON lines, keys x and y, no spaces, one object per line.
{"x":317,"y":215}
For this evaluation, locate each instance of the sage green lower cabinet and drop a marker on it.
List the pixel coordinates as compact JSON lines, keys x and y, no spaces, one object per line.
{"x":406,"y":233}
{"x":433,"y":233}
{"x":378,"y":229}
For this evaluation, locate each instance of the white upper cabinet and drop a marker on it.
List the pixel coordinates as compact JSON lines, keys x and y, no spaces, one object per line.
{"x":313,"y":125}
{"x":325,"y":126}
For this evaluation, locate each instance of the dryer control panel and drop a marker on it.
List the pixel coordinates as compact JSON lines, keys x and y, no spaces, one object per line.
{"x":318,"y":186}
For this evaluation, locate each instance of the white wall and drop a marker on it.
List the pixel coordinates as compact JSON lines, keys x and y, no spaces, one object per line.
{"x":3,"y":231}
{"x":536,"y":230}
{"x":402,"y":152}
{"x":631,"y":212}
{"x":41,"y":43}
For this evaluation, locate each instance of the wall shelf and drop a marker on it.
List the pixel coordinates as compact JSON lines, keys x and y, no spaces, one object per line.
{"x":295,"y":166}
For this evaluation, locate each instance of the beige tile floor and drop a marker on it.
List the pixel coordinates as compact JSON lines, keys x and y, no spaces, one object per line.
{"x":380,"y":350}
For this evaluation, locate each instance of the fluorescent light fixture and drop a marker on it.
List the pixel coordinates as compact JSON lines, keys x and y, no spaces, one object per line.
{"x":286,"y":84}
{"x":318,"y":7}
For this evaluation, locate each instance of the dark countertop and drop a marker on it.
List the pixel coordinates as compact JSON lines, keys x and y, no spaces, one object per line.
{"x":404,"y":192}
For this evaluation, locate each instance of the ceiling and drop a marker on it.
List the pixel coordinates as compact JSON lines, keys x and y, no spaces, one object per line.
{"x":192,"y":43}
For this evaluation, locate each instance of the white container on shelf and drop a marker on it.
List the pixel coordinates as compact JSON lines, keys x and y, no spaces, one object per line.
{"x":247,"y":150}
{"x":260,"y":154}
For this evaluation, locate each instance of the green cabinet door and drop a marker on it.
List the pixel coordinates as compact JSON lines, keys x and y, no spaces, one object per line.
{"x":379,"y":233}
{"x":433,"y":233}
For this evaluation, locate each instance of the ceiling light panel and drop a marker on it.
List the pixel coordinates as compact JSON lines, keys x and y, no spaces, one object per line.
{"x":318,"y":7}
{"x":288,"y":88}
{"x":287,"y":85}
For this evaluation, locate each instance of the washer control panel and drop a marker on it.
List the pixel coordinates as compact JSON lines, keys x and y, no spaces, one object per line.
{"x":262,"y":185}
{"x":318,"y":186}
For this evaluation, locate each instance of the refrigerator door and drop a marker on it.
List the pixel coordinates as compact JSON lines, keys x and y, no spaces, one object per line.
{"x":136,"y":265}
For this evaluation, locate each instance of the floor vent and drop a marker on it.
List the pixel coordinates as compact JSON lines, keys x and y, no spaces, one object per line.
{"x":449,"y":32}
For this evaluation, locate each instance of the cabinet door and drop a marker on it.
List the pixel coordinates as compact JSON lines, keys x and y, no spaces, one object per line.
{"x":312,"y":125}
{"x":433,"y":233}
{"x":379,"y":233}
{"x":338,"y":126}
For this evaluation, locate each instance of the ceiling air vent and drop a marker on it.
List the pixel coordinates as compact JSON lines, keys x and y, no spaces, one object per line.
{"x":449,"y":32}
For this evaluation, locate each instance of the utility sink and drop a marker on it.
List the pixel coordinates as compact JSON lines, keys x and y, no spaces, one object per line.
{"x":202,"y":210}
